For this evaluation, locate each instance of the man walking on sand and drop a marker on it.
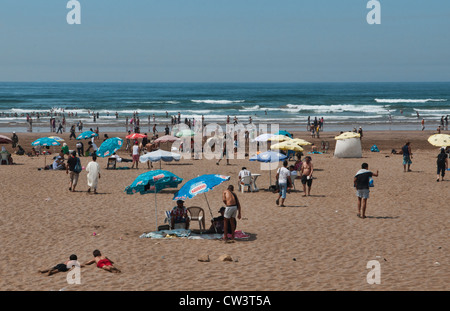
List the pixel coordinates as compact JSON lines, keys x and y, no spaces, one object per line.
{"x":361,"y":183}
{"x":74,"y":170}
{"x":306,"y":172}
{"x":232,"y":208}
{"x":284,"y":181}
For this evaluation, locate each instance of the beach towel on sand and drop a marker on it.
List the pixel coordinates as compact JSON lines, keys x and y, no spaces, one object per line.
{"x":183,"y":233}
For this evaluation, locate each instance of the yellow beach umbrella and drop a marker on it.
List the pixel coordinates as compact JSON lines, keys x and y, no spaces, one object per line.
{"x":439,"y":140}
{"x":347,"y":135}
{"x":287,"y":145}
{"x":279,"y":138}
{"x":300,"y":142}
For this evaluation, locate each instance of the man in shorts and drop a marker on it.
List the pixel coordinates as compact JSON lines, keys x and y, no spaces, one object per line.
{"x":306,"y":172}
{"x":232,"y":207}
{"x":71,"y":163}
{"x":361,"y":183}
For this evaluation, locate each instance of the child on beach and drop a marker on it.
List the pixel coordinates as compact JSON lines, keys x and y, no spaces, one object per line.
{"x":103,"y":262}
{"x":62,"y":267}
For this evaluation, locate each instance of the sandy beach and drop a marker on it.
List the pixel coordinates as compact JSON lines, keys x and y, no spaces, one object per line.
{"x":315,"y":243}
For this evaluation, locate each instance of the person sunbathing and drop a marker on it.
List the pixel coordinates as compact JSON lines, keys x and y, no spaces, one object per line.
{"x":103,"y":262}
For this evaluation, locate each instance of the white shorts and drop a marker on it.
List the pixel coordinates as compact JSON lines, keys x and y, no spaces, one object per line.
{"x":230,"y":212}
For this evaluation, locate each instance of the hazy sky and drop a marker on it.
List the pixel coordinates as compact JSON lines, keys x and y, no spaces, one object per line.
{"x":224,"y":41}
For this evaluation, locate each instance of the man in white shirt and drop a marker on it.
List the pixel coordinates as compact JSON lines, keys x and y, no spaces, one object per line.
{"x":284,"y":181}
{"x":244,"y":172}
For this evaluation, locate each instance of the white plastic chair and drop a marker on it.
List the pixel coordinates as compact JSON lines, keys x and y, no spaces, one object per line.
{"x":292,"y":180}
{"x":246,"y":181}
{"x":4,"y":157}
{"x":197,"y":213}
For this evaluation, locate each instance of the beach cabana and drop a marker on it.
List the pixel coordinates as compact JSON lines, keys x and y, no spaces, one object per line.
{"x":348,"y":145}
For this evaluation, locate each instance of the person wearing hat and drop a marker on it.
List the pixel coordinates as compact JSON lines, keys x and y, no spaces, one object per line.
{"x":179,"y":218}
{"x":217,"y":223}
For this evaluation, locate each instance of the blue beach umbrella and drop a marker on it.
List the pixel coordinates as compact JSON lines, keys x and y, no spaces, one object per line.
{"x":269,"y":157}
{"x":86,"y":135}
{"x":153,"y":182}
{"x":200,"y":184}
{"x":109,"y":146}
{"x":45,"y":142}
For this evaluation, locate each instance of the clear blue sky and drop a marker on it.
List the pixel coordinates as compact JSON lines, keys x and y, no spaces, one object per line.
{"x":224,"y":41}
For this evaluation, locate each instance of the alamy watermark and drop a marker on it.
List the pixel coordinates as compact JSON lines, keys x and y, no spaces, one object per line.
{"x":74,"y":15}
{"x":374,"y":16}
{"x":74,"y":275}
{"x":374,"y":275}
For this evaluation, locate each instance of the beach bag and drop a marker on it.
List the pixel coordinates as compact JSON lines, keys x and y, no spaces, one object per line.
{"x":371,"y":182}
{"x":374,"y":148}
{"x":77,"y":168}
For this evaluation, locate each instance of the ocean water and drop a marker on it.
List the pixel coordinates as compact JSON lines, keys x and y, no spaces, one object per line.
{"x":396,"y":106}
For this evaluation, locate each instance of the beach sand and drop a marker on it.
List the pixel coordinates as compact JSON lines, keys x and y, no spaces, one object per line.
{"x":315,"y":243}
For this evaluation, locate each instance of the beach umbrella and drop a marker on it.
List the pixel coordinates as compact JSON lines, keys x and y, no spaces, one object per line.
{"x":269,"y":157}
{"x":135,"y":136}
{"x":166,"y":139}
{"x":263,"y":137}
{"x":57,"y":138}
{"x":300,"y":142}
{"x":439,"y":140}
{"x":185,"y":132}
{"x":45,"y":142}
{"x":285,"y":133}
{"x":200,"y":184}
{"x":87,"y":135}
{"x":5,"y":140}
{"x":347,"y":135}
{"x":160,"y":155}
{"x":109,"y":146}
{"x":278,"y":138}
{"x":153,"y":182}
{"x":287,"y":145}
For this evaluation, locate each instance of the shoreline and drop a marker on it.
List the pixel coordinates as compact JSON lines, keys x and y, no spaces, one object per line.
{"x":295,"y":127}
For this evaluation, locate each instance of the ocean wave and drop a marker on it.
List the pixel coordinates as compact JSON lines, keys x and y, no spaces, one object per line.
{"x":335,"y":108}
{"x":401,"y":100}
{"x":214,"y":101}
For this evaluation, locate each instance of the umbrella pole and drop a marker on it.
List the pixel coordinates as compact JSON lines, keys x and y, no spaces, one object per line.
{"x":156,"y":212}
{"x":212,"y":216}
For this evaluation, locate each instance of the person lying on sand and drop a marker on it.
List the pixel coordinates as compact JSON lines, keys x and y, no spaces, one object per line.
{"x":62,"y":267}
{"x":103,"y":262}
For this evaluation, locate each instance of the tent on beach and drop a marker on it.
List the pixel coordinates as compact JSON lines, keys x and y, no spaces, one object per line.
{"x":348,"y":145}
